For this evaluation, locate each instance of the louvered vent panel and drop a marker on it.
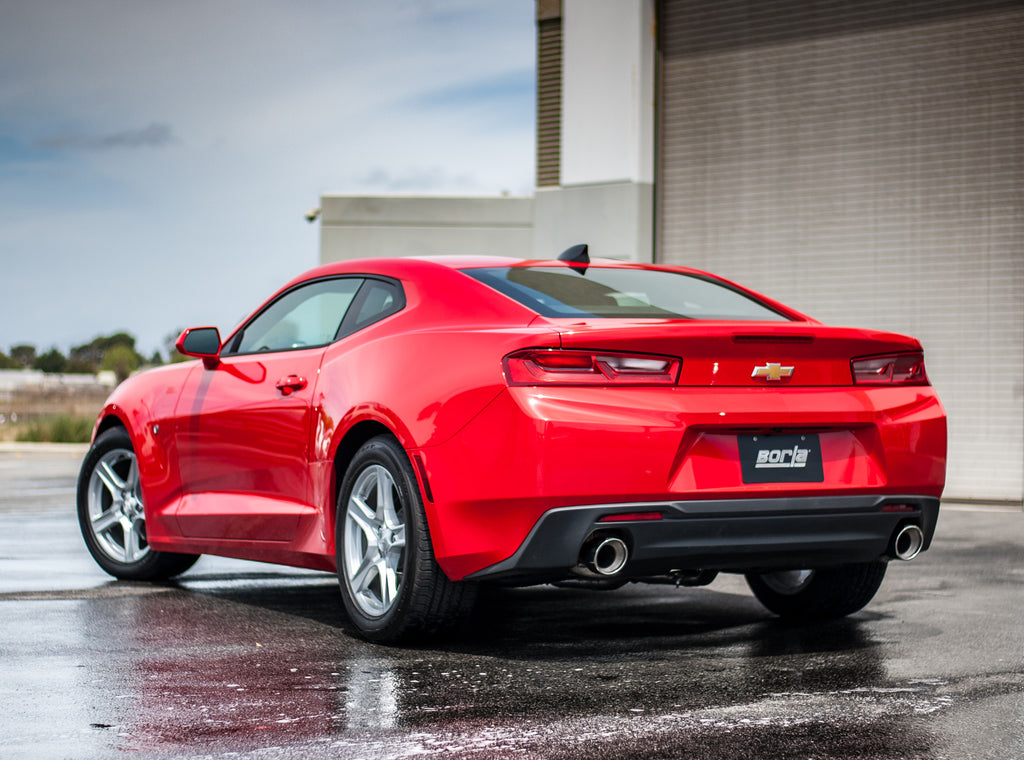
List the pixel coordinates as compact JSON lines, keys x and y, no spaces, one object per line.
{"x":549,"y":101}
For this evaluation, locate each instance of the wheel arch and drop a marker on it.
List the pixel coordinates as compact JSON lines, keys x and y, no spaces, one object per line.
{"x":152,"y":459}
{"x":107,"y":421}
{"x":427,"y":602}
{"x":114,"y":416}
{"x":347,"y":447}
{"x":143,"y":563}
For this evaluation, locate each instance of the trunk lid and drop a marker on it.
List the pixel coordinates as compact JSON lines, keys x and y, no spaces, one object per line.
{"x":738,"y":354}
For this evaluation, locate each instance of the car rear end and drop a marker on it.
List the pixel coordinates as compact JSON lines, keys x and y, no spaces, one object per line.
{"x":684,"y":426}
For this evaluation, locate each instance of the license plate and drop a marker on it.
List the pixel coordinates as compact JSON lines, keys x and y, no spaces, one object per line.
{"x":781,"y":458}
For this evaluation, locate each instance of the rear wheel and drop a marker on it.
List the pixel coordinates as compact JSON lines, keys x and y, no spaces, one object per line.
{"x":112,"y":517}
{"x":821,"y":594}
{"x":391,"y":585}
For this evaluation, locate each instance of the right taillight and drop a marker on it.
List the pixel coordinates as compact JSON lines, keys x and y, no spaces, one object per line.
{"x":891,"y":369}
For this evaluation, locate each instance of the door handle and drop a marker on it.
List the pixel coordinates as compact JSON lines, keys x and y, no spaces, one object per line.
{"x":290,"y":384}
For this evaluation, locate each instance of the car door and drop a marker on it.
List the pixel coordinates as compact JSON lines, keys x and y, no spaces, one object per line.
{"x":243,"y":424}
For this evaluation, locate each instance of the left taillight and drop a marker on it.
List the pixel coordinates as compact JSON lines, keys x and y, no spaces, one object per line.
{"x":541,"y":366}
{"x":892,"y":369}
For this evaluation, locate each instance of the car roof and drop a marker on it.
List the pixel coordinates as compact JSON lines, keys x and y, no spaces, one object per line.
{"x":430,"y":268}
{"x":397,"y":266}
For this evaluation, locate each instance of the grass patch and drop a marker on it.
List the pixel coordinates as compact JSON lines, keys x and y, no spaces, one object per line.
{"x":63,"y":428}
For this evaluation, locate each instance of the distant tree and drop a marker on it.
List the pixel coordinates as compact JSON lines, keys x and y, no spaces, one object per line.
{"x":118,"y":339}
{"x":122,"y":360}
{"x":87,"y":354}
{"x":24,"y":354}
{"x":7,"y":362}
{"x":94,"y":353}
{"x":156,"y":359}
{"x":52,"y":361}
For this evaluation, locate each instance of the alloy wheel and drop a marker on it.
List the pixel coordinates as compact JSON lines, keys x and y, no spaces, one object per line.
{"x":375,"y":541}
{"x":117,"y":519}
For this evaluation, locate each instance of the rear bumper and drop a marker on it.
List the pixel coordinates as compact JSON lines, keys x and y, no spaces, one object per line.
{"x":532,"y":451}
{"x":727,"y":535}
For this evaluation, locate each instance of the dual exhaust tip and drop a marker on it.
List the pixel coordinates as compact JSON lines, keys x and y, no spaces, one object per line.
{"x":604,"y":556}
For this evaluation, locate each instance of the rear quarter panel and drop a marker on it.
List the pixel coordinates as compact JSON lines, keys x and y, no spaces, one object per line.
{"x":424,"y":373}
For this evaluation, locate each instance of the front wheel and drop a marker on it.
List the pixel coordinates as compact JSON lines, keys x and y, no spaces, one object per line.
{"x":391,"y":585}
{"x":821,"y":594}
{"x":112,"y":517}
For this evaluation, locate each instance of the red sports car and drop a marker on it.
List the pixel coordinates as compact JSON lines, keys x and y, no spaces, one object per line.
{"x":426,"y":426}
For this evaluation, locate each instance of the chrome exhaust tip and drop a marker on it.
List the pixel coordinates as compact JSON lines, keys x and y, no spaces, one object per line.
{"x":605,"y":555}
{"x":908,"y":542}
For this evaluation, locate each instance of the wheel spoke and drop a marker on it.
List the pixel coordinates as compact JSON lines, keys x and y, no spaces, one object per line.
{"x":104,"y":522}
{"x":360,"y":580}
{"x":388,"y":583}
{"x":365,"y":510}
{"x":364,"y":517}
{"x":110,"y":479}
{"x":385,"y":501}
{"x":134,"y":545}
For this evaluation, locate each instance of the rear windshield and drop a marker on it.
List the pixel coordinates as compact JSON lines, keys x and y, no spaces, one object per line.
{"x":622,"y":293}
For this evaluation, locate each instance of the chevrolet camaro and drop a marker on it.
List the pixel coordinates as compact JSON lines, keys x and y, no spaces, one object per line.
{"x":425,"y":427}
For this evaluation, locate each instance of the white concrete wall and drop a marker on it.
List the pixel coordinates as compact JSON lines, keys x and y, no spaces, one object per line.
{"x":355,"y":227}
{"x":613,"y":218}
{"x":16,"y":379}
{"x":605,"y":198}
{"x":607,"y":91}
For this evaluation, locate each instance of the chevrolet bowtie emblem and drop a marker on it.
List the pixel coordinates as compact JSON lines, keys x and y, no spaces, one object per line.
{"x":772,"y":371}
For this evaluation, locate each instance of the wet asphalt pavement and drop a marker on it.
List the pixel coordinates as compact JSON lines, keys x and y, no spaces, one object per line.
{"x":245,"y":660}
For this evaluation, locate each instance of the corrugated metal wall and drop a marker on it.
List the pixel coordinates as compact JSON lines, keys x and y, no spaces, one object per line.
{"x":549,"y":92}
{"x":863,"y":162}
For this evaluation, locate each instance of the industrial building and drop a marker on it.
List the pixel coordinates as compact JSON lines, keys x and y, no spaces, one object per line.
{"x":859,"y":160}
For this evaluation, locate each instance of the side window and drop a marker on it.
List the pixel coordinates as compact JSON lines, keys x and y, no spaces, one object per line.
{"x":378,"y":300}
{"x":307,"y":316}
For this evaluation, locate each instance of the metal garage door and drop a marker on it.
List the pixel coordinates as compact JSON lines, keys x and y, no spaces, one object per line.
{"x":863,"y":162}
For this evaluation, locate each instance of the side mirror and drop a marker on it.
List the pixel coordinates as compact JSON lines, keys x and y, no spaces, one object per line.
{"x":201,"y":342}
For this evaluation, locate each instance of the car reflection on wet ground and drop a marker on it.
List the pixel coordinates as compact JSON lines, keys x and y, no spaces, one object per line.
{"x":247,"y":660}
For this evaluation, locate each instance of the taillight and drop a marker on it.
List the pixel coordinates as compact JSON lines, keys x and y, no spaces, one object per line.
{"x":895,"y":369}
{"x":540,"y":366}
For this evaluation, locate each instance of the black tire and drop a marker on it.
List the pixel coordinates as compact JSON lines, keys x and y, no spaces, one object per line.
{"x":822,"y":594}
{"x":391,"y":585}
{"x":111,"y":514}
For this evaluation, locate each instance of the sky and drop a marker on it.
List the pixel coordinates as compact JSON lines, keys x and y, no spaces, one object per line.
{"x":157,"y":159}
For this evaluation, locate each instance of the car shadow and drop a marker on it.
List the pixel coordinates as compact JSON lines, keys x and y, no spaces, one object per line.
{"x":538,"y":622}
